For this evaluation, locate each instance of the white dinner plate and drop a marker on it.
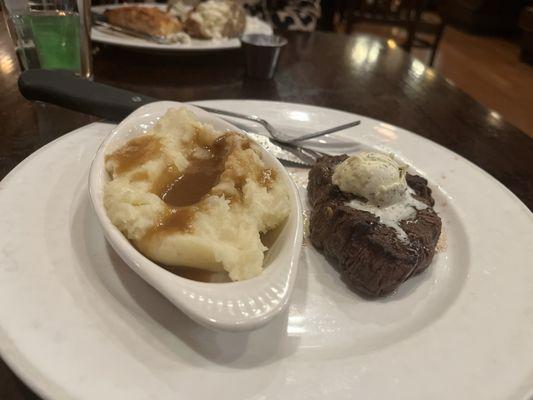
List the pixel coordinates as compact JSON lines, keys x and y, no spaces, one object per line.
{"x":75,"y":322}
{"x":107,"y":36}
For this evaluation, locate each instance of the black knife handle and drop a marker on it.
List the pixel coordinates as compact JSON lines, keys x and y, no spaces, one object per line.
{"x":65,"y":89}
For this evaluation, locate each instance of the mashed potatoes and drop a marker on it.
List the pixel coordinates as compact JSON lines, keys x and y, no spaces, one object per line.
{"x":216,"y":19}
{"x":186,"y":195}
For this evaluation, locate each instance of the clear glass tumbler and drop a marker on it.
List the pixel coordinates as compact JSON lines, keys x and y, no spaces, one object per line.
{"x":51,"y":34}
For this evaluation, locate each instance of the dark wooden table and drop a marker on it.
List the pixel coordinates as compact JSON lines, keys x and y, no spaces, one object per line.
{"x":360,"y":74}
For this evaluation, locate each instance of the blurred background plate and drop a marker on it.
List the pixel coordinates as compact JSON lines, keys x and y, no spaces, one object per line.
{"x":107,"y":36}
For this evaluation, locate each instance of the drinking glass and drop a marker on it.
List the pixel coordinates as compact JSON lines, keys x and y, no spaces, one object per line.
{"x":51,"y":34}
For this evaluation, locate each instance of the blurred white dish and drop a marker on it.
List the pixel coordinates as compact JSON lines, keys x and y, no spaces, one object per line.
{"x":106,"y":36}
{"x":77,"y":323}
{"x":233,"y":306}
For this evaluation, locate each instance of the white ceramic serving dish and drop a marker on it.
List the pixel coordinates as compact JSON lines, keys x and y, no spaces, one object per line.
{"x":234,"y":306}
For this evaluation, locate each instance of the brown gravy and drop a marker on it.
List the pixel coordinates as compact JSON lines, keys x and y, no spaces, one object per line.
{"x":181,"y":190}
{"x":140,"y":176}
{"x":267,"y":177}
{"x":134,"y":153}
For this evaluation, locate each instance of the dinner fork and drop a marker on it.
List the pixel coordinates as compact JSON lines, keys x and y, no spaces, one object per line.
{"x":289,"y":154}
{"x":274,"y":133}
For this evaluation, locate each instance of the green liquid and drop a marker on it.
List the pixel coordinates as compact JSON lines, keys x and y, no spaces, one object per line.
{"x":57,"y":40}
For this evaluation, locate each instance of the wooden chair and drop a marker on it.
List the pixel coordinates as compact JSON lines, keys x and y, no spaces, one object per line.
{"x":407,"y":14}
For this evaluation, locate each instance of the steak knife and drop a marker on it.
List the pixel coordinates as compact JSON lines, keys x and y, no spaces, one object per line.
{"x":64,"y":89}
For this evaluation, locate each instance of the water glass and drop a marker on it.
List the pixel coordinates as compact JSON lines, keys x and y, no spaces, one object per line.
{"x":51,"y":34}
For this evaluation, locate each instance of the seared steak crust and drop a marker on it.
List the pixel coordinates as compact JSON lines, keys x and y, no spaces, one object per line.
{"x":370,"y":257}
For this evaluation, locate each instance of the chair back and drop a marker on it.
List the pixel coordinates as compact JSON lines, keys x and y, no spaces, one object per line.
{"x":402,"y":13}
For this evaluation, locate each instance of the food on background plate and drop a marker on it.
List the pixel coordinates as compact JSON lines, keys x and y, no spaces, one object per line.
{"x":216,"y":19}
{"x":213,"y":19}
{"x":149,"y":20}
{"x":186,"y":195}
{"x":181,"y":8}
{"x":374,"y":220}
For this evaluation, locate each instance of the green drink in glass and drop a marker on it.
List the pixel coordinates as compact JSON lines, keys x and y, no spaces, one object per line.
{"x":57,"y":39}
{"x":51,"y":34}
